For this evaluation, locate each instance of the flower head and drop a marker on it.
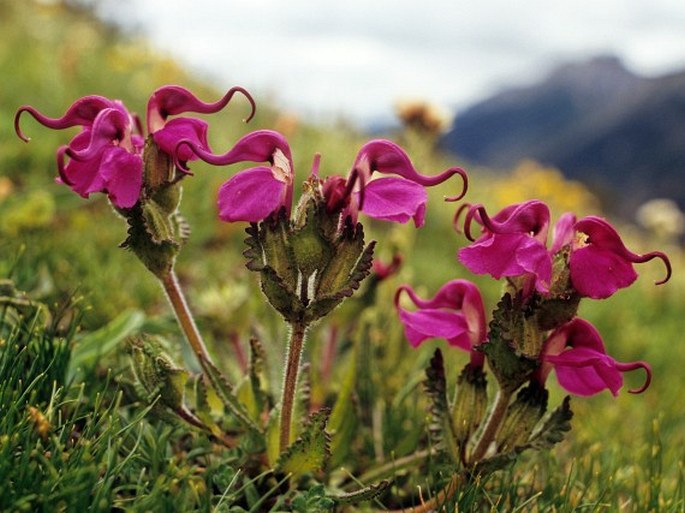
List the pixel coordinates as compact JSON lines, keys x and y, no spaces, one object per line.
{"x":396,"y":198}
{"x":456,"y":313}
{"x":599,"y":262}
{"x":107,"y":155}
{"x":576,"y":353}
{"x":512,"y":243}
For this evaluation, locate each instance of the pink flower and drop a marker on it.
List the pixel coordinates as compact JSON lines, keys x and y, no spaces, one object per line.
{"x":106,"y":156}
{"x":599,"y":262}
{"x":455,"y":313}
{"x":512,"y":243}
{"x":394,"y":198}
{"x":253,"y":194}
{"x":576,"y":353}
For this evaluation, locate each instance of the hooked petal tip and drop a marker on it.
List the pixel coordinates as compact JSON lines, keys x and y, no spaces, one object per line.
{"x":664,"y":258}
{"x":624,"y":367}
{"x":474,"y":210}
{"x":182,"y":165}
{"x":457,"y":216}
{"x":465,"y":180}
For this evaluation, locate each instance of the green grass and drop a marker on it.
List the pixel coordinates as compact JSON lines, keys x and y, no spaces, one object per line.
{"x":74,"y":435}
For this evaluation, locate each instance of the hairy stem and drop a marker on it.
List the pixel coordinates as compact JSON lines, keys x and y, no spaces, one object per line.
{"x":185,"y":319}
{"x":494,"y":421}
{"x":292,"y":369}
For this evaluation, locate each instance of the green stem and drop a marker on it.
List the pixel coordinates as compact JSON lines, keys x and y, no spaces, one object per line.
{"x":184,"y":317}
{"x":292,"y":369}
{"x":494,"y":421}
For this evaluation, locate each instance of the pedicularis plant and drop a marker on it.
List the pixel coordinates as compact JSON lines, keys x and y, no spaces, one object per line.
{"x":312,"y":256}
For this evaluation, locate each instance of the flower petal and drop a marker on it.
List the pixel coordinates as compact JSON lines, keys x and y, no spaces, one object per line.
{"x":564,"y":232}
{"x":176,"y":130}
{"x":123,"y":174}
{"x":250,"y":195}
{"x":597,"y":273}
{"x":395,"y":199}
{"x":585,"y":372}
{"x":424,"y":324}
{"x":509,"y":255}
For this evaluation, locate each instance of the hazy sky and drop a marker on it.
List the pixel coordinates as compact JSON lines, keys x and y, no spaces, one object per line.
{"x":356,"y":57}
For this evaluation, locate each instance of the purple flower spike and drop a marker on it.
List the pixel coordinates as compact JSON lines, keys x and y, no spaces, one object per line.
{"x":576,"y":353}
{"x":81,"y":113}
{"x":512,"y":243}
{"x":455,"y":313}
{"x":600,"y":263}
{"x":252,"y":194}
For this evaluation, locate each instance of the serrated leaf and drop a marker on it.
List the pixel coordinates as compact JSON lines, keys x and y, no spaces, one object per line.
{"x":224,"y":391}
{"x":552,"y":431}
{"x":367,"y":493}
{"x":205,"y":405}
{"x":510,"y":367}
{"x":157,"y":223}
{"x":440,"y":426}
{"x":311,"y":450}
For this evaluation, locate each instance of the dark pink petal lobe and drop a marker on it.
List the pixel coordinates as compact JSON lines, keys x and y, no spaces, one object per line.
{"x":123,"y":175}
{"x":250,"y":195}
{"x":597,"y":273}
{"x":395,"y":199}
{"x":110,"y":127}
{"x":425,"y":324}
{"x":530,"y":217}
{"x":509,"y":255}
{"x":178,"y":129}
{"x":585,"y":372}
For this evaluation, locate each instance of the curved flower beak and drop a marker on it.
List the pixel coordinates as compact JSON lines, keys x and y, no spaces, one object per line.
{"x":252,"y":194}
{"x":577,"y":354}
{"x":81,"y":113}
{"x":601,"y":264}
{"x":172,"y":99}
{"x":456,"y":313}
{"x":512,"y":243}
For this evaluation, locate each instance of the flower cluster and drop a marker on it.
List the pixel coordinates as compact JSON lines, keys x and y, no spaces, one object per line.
{"x":587,"y":258}
{"x":107,"y":155}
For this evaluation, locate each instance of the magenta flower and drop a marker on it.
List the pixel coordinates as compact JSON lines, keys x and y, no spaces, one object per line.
{"x":106,"y":156}
{"x":576,"y":353}
{"x":253,"y":194}
{"x":512,"y":243}
{"x":599,"y":262}
{"x":394,"y":198}
{"x":455,"y":313}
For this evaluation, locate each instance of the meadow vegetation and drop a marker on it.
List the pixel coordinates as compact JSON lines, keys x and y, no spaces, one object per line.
{"x":74,"y":434}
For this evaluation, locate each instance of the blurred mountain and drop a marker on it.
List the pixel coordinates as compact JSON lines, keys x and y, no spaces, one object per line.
{"x":621,"y":133}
